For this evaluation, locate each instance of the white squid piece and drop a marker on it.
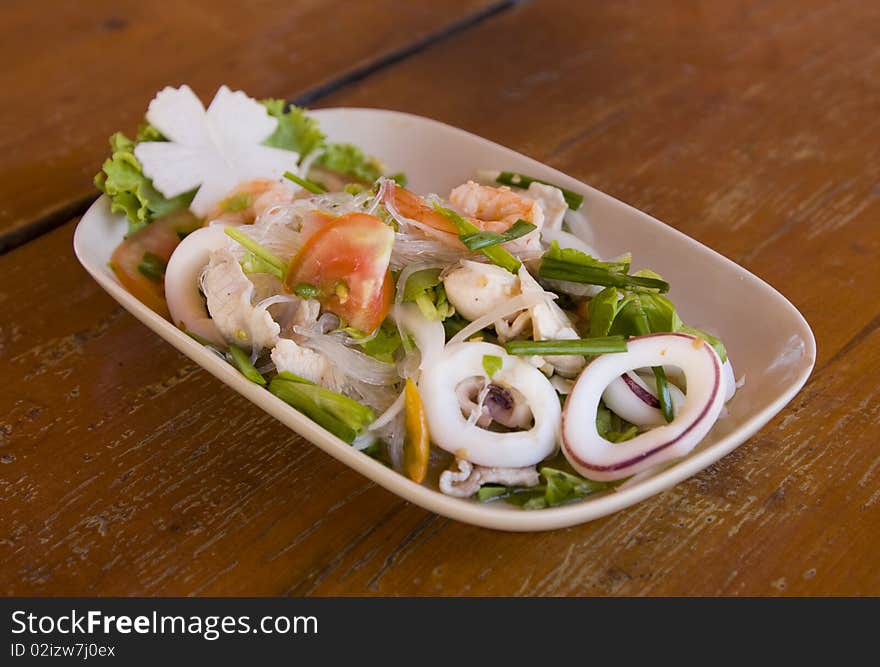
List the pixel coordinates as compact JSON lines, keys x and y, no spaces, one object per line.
{"x":475,"y":289}
{"x":468,"y":478}
{"x":314,"y":366}
{"x":453,"y":431}
{"x":552,"y":203}
{"x":549,"y":322}
{"x":596,"y":458}
{"x":185,"y":303}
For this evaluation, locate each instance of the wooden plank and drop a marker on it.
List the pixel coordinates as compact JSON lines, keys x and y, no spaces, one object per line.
{"x":73,"y":74}
{"x":127,"y":471}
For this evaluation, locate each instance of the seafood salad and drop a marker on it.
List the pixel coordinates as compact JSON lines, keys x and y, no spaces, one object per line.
{"x":471,"y":340}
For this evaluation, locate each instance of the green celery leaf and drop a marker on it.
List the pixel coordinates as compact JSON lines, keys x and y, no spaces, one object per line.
{"x":350,"y":160}
{"x":603,"y":309}
{"x":573,"y":256}
{"x":716,"y":343}
{"x":296,"y":130}
{"x":425,"y":289}
{"x":563,"y":486}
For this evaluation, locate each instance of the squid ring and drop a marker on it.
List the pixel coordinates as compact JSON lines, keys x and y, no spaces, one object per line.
{"x":598,"y":459}
{"x":450,"y":429}
{"x":185,"y":304}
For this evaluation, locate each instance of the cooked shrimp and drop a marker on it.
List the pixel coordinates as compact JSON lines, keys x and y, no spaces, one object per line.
{"x":410,"y":205}
{"x":251,"y":199}
{"x":495,"y":209}
{"x":488,"y":208}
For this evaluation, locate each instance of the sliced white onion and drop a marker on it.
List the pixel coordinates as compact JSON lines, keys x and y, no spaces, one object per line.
{"x":598,"y":459}
{"x":185,"y":303}
{"x":429,"y":335}
{"x":388,"y":416}
{"x":580,"y":227}
{"x":634,"y":398}
{"x":450,"y":429}
{"x":506,"y":309}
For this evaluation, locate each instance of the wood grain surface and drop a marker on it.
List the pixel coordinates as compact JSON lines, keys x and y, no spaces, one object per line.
{"x":74,"y":74}
{"x":750,"y":126}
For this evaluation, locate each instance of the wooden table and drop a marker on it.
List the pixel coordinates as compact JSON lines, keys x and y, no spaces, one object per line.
{"x":751,"y":126}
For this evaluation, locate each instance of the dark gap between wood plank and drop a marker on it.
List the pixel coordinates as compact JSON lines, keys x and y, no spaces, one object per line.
{"x":17,"y":237}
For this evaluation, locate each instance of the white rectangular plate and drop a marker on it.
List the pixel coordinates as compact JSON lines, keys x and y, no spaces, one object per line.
{"x":768,"y":340}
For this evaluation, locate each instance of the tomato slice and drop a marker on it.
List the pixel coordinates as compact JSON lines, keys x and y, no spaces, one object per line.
{"x":139,"y":261}
{"x":345,"y":264}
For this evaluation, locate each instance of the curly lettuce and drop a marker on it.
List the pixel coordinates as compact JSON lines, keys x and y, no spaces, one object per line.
{"x":131,"y":193}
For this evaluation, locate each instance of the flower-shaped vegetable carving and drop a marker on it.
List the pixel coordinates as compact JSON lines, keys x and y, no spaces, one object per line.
{"x":214,"y":149}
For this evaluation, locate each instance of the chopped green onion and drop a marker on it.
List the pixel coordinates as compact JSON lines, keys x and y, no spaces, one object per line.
{"x":279,"y":268}
{"x":490,"y":492}
{"x":341,"y":415}
{"x":242,"y":362}
{"x":153,"y":267}
{"x":311,"y":186}
{"x":201,"y":340}
{"x":573,"y":199}
{"x":492,"y":364}
{"x":496,"y":254}
{"x":481,"y":240}
{"x":663,"y":394}
{"x":306,"y":291}
{"x":582,"y":346}
{"x":253,"y":264}
{"x":596,"y":275}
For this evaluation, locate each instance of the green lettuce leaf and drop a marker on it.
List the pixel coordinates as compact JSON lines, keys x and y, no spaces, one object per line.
{"x":573,"y":256}
{"x":385,"y":343}
{"x":131,"y":192}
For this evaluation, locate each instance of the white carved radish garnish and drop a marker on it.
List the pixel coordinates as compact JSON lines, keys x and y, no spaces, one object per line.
{"x":212,"y":150}
{"x":598,"y":459}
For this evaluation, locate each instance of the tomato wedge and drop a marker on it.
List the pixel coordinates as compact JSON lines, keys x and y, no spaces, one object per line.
{"x":344,"y":264}
{"x":139,"y":261}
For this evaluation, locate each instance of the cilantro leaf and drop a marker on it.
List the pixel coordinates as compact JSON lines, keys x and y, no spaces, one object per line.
{"x":296,"y":131}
